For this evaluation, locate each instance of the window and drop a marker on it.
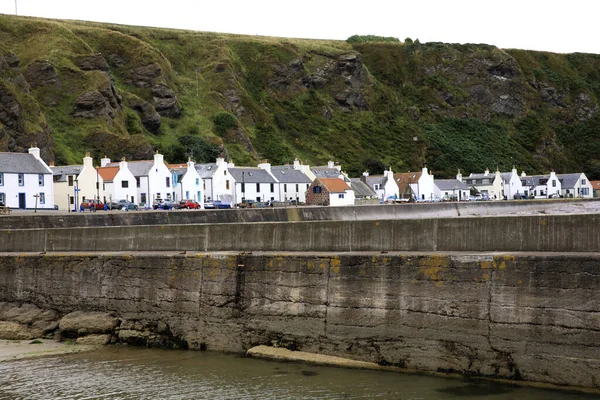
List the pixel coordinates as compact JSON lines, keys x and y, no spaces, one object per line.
{"x":21,"y":180}
{"x":40,"y":179}
{"x":341,"y":196}
{"x":485,"y":181}
{"x":227,"y":184}
{"x":124,"y":184}
{"x":583,"y":182}
{"x":585,"y":191}
{"x":225,"y":172}
{"x":137,"y":182}
{"x":243,"y":187}
{"x":553,"y":182}
{"x":296,"y":188}
{"x":168,"y":181}
{"x":376,"y":186}
{"x":272,"y":187}
{"x":42,"y":198}
{"x":1,"y":179}
{"x":257,"y":187}
{"x":197,"y":181}
{"x":285,"y":187}
{"x":187,"y":194}
{"x":70,"y":179}
{"x":316,"y":189}
{"x":3,"y":198}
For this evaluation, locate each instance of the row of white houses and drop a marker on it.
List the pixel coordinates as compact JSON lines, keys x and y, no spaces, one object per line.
{"x":27,"y":182}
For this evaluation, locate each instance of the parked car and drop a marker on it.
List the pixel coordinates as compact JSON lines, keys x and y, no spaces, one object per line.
{"x":97,"y":204}
{"x":189,"y":204}
{"x":125,"y":205}
{"x":218,"y":204}
{"x":209,"y":205}
{"x":246,"y":204}
{"x":165,"y":205}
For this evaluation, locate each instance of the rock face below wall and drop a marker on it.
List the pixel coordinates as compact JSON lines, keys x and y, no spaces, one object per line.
{"x":532,"y":317}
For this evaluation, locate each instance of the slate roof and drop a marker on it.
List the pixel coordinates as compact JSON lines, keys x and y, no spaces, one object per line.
{"x":325,"y":172}
{"x":21,"y":163}
{"x":361,"y":189}
{"x":206,"y":171}
{"x":335,"y":185}
{"x":534,"y":180}
{"x":375,"y":180}
{"x":61,"y":173}
{"x":251,"y":175}
{"x":287,"y":174}
{"x":137,"y":168}
{"x":568,"y":181}
{"x":450,"y":184}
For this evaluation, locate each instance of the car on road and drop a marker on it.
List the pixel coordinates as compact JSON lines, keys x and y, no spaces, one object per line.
{"x":165,"y":205}
{"x":125,"y":205}
{"x":189,"y":204}
{"x":97,"y":204}
{"x":220,"y":205}
{"x":209,"y":205}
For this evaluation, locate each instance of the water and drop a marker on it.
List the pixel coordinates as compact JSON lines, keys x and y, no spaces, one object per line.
{"x":122,"y":373}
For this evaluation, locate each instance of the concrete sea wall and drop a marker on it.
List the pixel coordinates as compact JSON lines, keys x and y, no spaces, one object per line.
{"x":514,"y":315}
{"x":542,"y":233}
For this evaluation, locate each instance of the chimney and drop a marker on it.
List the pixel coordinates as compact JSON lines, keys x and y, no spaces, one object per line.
{"x":104,"y":161}
{"x":220,"y":161}
{"x":190,"y":164}
{"x":51,"y":164}
{"x":366,"y":173}
{"x":487,"y":172}
{"x":265,"y":165}
{"x":514,"y":171}
{"x":158,"y":159}
{"x":88,"y":161}
{"x":424,"y":170}
{"x":330,"y":164}
{"x":123,"y":163}
{"x":296,"y":164}
{"x":523,"y":173}
{"x":459,"y":176}
{"x":35,"y":151}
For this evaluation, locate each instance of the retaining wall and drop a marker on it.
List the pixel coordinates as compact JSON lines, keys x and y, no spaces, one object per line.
{"x":551,"y":233}
{"x":517,"y":316}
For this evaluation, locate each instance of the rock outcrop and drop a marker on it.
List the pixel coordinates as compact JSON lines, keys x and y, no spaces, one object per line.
{"x":94,"y":62}
{"x":92,"y":104}
{"x":165,"y":101}
{"x":148,"y":115}
{"x":42,"y":73}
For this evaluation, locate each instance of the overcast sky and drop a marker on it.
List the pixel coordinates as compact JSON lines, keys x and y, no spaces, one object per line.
{"x":550,"y":25}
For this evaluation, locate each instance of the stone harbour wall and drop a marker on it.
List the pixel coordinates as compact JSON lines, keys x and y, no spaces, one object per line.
{"x":522,"y":316}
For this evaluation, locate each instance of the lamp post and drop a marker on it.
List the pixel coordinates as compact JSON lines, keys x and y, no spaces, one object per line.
{"x":36,"y":201}
{"x":243,"y":187}
{"x":76,"y":195}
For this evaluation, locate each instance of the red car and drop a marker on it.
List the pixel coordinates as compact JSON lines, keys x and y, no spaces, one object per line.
{"x":189,"y":204}
{"x":97,"y":204}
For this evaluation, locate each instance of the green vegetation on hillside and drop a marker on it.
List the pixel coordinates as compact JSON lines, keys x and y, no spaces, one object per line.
{"x":368,"y":103}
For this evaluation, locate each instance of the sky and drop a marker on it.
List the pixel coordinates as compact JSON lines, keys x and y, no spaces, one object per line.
{"x":550,"y":25}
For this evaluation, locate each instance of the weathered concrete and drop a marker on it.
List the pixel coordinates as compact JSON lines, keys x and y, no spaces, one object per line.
{"x":554,"y":233}
{"x":51,"y":219}
{"x":519,"y":316}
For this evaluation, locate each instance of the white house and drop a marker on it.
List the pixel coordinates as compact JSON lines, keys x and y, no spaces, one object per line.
{"x":153,"y":179}
{"x":292,"y":181}
{"x":384,"y":185}
{"x":217,"y":181}
{"x":119,"y":183}
{"x":187,"y":184}
{"x":487,"y":184}
{"x":451,"y":189}
{"x":26,"y":181}
{"x":254,"y":184}
{"x":420,"y":184}
{"x":541,"y":186}
{"x":575,"y":185}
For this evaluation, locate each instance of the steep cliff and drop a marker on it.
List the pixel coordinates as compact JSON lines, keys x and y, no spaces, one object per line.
{"x":126,"y":91}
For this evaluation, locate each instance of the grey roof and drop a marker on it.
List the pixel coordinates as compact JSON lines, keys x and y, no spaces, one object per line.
{"x":533,"y":180}
{"x":450,"y":184}
{"x":375,"y":180}
{"x":137,"y":168}
{"x":21,"y":163}
{"x":325,"y":172}
{"x":287,"y":174}
{"x":206,"y":171}
{"x":61,"y":172}
{"x":361,"y":189}
{"x":568,"y":181}
{"x":251,"y":175}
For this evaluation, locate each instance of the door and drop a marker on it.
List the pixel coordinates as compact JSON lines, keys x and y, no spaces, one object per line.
{"x":22,"y":201}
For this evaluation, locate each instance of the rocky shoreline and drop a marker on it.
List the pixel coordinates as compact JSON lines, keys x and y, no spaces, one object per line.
{"x":25,"y":322}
